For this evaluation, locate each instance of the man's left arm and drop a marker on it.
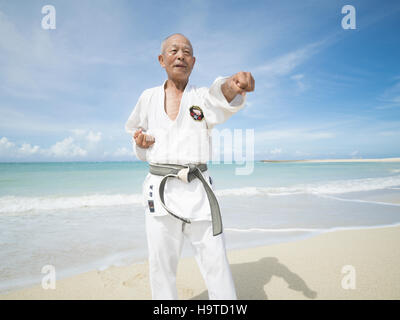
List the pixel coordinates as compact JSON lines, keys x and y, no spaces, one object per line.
{"x":225,"y":97}
{"x":239,"y":83}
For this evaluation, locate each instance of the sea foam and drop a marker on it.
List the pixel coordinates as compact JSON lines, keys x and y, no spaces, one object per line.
{"x":332,"y":187}
{"x":14,"y":204}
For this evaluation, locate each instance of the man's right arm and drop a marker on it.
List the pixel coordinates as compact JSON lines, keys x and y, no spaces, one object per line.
{"x":143,"y":140}
{"x":136,"y":124}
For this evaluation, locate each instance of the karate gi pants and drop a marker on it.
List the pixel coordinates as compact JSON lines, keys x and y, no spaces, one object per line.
{"x":165,"y":235}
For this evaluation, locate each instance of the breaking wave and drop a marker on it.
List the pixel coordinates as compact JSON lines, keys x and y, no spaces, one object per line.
{"x":13,"y":204}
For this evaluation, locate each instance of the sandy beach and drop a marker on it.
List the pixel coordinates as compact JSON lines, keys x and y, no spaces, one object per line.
{"x":338,"y":160}
{"x":312,"y":268}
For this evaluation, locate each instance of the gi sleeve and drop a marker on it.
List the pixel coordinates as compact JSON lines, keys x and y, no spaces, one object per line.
{"x":138,"y":120}
{"x":216,"y":108}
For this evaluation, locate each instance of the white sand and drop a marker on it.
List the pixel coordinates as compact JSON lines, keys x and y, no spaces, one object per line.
{"x":305,"y":269}
{"x":339,"y":160}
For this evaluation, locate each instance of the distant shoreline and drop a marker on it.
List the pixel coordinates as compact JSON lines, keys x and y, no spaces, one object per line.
{"x":277,"y":161}
{"x":337,"y":160}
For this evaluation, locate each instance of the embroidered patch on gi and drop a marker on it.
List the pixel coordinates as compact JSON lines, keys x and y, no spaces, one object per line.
{"x":151,"y":205}
{"x":209,"y":178}
{"x":196,"y":113}
{"x":151,"y":187}
{"x":150,"y":194}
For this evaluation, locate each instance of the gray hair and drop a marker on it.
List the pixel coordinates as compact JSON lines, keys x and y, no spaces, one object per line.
{"x":165,"y":40}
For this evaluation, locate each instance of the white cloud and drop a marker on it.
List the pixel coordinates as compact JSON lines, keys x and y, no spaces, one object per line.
{"x":84,"y":146}
{"x":276,"y":151}
{"x":27,"y":149}
{"x":9,"y":149}
{"x":66,"y":148}
{"x":6,"y":144}
{"x":90,"y":136}
{"x":389,"y":133}
{"x":78,"y":132}
{"x":298,"y":78}
{"x":40,"y":65}
{"x":297,"y":134}
{"x":121,"y":152}
{"x":286,"y":63}
{"x":302,"y":153}
{"x":94,"y":137}
{"x":390,"y":98}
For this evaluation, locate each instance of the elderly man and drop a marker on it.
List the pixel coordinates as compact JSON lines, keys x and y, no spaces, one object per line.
{"x":171,"y":126}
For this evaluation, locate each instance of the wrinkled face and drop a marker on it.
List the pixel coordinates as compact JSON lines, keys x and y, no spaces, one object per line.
{"x":177,"y":58}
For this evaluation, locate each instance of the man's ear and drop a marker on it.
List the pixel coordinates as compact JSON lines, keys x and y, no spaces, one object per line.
{"x":161,"y":60}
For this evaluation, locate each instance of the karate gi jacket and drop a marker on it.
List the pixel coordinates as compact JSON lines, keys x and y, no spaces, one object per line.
{"x":187,"y":139}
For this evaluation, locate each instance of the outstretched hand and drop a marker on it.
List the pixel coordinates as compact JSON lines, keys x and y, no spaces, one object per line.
{"x":143,"y":140}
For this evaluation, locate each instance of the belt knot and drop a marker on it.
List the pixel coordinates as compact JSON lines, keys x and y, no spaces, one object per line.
{"x":184,"y":174}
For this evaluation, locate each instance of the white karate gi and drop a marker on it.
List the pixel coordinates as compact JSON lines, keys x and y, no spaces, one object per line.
{"x":182,"y":141}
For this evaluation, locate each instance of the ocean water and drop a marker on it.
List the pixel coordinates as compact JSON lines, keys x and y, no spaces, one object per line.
{"x":84,"y":216}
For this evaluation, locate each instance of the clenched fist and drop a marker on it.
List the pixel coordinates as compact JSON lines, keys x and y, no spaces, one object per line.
{"x":239,"y":83}
{"x":143,"y":140}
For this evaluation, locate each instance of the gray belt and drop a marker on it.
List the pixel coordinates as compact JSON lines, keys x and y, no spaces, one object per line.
{"x":187,"y":173}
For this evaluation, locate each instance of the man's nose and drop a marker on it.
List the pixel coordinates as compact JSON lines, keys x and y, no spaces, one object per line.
{"x":180,"y":55}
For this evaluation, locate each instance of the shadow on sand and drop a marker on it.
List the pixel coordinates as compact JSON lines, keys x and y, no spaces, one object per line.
{"x":250,"y":279}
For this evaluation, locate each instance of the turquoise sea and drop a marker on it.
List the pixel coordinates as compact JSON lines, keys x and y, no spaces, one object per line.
{"x":79,"y":216}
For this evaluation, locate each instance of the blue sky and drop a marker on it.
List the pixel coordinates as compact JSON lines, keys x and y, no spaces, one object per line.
{"x":321,"y":91}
